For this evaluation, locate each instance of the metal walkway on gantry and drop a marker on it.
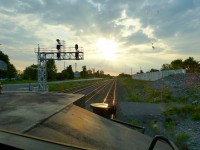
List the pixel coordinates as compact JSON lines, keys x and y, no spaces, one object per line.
{"x":59,"y":53}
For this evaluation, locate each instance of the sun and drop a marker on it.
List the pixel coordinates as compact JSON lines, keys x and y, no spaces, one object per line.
{"x":107,"y":49}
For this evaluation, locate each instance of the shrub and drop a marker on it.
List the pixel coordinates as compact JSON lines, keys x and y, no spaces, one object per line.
{"x":192,"y":110}
{"x":133,"y":122}
{"x":170,"y":124}
{"x":134,"y":97}
{"x":182,"y":137}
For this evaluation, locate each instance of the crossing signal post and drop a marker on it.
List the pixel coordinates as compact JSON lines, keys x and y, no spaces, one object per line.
{"x":59,"y":53}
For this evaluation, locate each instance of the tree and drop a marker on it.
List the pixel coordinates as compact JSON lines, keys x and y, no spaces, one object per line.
{"x":101,"y":73}
{"x":90,"y":74}
{"x":67,"y":73}
{"x":166,"y":67}
{"x":11,"y":72}
{"x":177,"y":64}
{"x":97,"y":73}
{"x":4,"y":57}
{"x":3,"y":73}
{"x":59,"y":76}
{"x":30,"y":73}
{"x":152,"y":70}
{"x":83,"y":73}
{"x":70,"y":72}
{"x":124,"y":75}
{"x":64,"y":74}
{"x":191,"y":65}
{"x":51,"y":70}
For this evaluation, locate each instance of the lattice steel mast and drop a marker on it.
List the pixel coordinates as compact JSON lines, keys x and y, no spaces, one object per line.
{"x":60,"y":53}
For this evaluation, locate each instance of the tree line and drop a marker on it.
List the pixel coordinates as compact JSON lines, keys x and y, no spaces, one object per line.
{"x":11,"y":71}
{"x":30,"y":73}
{"x":189,"y":64}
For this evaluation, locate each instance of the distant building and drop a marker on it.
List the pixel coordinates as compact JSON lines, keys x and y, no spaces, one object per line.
{"x":3,"y":65}
{"x":76,"y":74}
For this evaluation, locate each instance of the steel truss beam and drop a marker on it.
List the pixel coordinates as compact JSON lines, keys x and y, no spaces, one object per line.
{"x":44,"y":54}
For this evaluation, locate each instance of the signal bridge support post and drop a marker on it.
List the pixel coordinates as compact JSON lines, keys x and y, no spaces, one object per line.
{"x":43,"y":54}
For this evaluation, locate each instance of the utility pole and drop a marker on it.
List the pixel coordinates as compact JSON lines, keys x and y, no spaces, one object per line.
{"x":75,"y":67}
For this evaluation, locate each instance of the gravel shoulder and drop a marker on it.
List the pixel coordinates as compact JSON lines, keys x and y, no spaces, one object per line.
{"x":145,"y":114}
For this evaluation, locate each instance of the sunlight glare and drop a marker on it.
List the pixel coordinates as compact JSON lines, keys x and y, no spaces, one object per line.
{"x":107,"y":48}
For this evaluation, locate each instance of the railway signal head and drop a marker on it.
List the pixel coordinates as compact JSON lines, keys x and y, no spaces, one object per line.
{"x":76,"y":46}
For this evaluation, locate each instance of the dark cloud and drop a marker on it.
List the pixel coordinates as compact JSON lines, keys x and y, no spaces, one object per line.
{"x":172,"y":22}
{"x":138,"y":38}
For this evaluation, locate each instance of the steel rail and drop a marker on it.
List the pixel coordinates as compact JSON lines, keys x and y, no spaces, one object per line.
{"x":97,"y":92}
{"x":108,"y":93}
{"x":81,"y":88}
{"x":85,"y":88}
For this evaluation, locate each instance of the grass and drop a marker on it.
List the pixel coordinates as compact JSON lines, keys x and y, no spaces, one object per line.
{"x":183,"y":112}
{"x":57,"y":87}
{"x":131,"y":84}
{"x":170,"y":126}
{"x":154,"y":126}
{"x":134,"y":122}
{"x":141,"y":91}
{"x":180,"y":141}
{"x":17,"y":81}
{"x":183,"y":137}
{"x":68,"y":85}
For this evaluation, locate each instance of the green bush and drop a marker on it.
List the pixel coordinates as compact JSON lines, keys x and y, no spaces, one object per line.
{"x":129,"y":84}
{"x":152,"y":93}
{"x":182,"y":137}
{"x":134,"y":97}
{"x":170,"y":124}
{"x":192,"y":110}
{"x":171,"y":111}
{"x":154,"y":126}
{"x":133,"y":122}
{"x":196,"y":113}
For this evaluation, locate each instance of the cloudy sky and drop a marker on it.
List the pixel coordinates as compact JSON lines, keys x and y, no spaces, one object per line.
{"x":117,"y":35}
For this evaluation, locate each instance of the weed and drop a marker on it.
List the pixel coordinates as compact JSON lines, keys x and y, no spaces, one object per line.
{"x":154,"y":126}
{"x":171,"y":111}
{"x":131,"y":84}
{"x":191,"y":110}
{"x":170,"y":124}
{"x":196,"y":112}
{"x":133,"y":122}
{"x":182,"y":137}
{"x":152,"y":93}
{"x":134,"y":97}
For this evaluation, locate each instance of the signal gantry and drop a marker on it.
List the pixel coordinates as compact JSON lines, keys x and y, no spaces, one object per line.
{"x":61,"y":52}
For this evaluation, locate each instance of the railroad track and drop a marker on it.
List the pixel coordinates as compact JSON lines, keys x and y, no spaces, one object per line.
{"x":98,"y":92}
{"x":84,"y":89}
{"x":105,"y":93}
{"x":110,"y":98}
